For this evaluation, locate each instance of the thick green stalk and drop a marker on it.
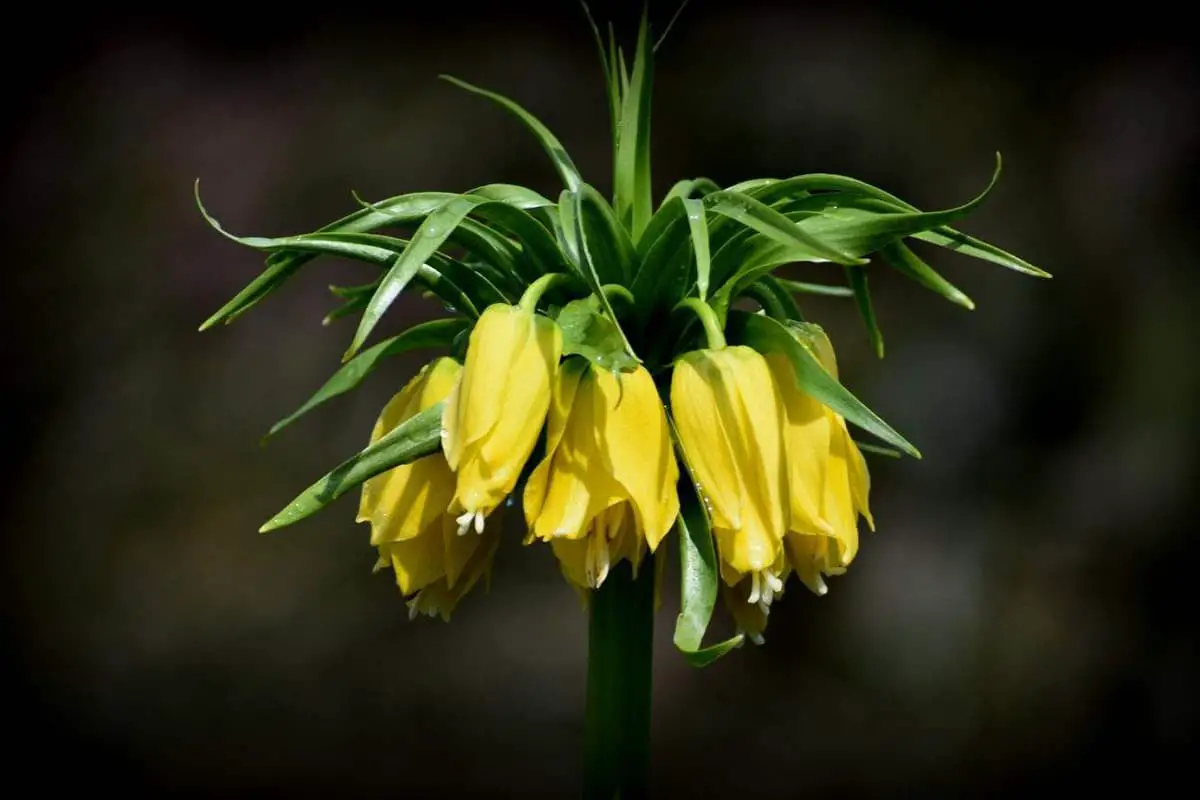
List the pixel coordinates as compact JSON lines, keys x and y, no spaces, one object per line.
{"x":620,"y":660}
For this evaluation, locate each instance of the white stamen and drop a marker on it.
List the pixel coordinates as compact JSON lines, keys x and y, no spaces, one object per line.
{"x":464,"y":522}
{"x":479,"y":522}
{"x":757,"y":638}
{"x":755,"y":588}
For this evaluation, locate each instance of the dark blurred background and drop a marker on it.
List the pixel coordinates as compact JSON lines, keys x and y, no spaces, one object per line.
{"x":1019,"y":621}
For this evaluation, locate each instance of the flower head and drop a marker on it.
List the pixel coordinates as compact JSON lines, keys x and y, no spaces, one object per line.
{"x":407,"y":507}
{"x":731,"y":422}
{"x":606,"y":487}
{"x":495,"y":413}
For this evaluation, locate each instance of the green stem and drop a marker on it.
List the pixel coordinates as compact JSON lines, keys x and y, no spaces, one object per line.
{"x":708,"y":318}
{"x":769,"y":302}
{"x":620,"y":658}
{"x":534,"y":293}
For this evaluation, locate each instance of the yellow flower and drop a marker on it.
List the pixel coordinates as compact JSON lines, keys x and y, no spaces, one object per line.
{"x":731,"y":422}
{"x":494,"y":415}
{"x":407,"y":507}
{"x":843,"y":495}
{"x":606,"y":487}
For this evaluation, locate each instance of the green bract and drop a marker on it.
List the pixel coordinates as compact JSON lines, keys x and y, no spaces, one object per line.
{"x":626,"y":266}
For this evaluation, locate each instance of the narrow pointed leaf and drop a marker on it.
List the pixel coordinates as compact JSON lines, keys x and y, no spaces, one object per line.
{"x":686,"y":188}
{"x":768,"y":336}
{"x":816,"y":288}
{"x":698,"y":226}
{"x":549,"y":142}
{"x":857,"y":278}
{"x":436,"y":228}
{"x":418,"y":436}
{"x":631,"y":180}
{"x":898,"y":256}
{"x":611,"y":250}
{"x":588,"y":264}
{"x":773,"y":225}
{"x":781,"y":297}
{"x":435,"y":333}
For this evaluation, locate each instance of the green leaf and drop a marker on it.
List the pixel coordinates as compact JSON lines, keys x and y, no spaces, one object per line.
{"x":631,"y":180}
{"x":816,"y":288}
{"x":770,"y":223}
{"x":857,"y":278}
{"x":611,"y":250}
{"x":698,"y":574}
{"x":875,"y":449}
{"x":698,"y":225}
{"x":612,"y":84}
{"x":686,"y":188}
{"x":549,"y":142}
{"x":768,"y":336}
{"x":771,"y":192}
{"x":662,"y":276}
{"x":587,"y":332}
{"x":588,"y":262}
{"x":435,"y":333}
{"x":282,"y":265}
{"x":568,"y":242}
{"x":435,"y":229}
{"x":898,"y":256}
{"x":783,"y":304}
{"x":416,"y":437}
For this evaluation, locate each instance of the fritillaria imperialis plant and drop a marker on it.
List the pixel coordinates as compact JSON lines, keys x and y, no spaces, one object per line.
{"x":635,"y":377}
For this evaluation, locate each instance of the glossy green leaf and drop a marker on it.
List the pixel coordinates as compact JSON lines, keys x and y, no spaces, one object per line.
{"x":686,"y":188}
{"x":431,"y":234}
{"x":769,"y":336}
{"x":857,"y":278}
{"x":898,"y":256}
{"x":662,"y":275}
{"x":418,"y":436}
{"x":435,"y":333}
{"x":771,"y":290}
{"x":588,"y":264}
{"x":549,"y":142}
{"x":611,"y":250}
{"x":875,"y":449}
{"x":587,"y":332}
{"x":698,"y":574}
{"x":632,"y":199}
{"x":568,"y":241}
{"x":942,"y":235}
{"x":612,"y":85}
{"x":770,"y":223}
{"x":698,"y":227}
{"x":816,"y":288}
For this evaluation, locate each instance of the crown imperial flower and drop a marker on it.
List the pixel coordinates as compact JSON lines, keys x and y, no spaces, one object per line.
{"x":579,"y":318}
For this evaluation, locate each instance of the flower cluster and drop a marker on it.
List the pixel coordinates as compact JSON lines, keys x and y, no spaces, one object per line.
{"x":783,"y":482}
{"x":625,"y":372}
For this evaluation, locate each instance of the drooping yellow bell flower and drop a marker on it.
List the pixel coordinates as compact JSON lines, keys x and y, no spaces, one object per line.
{"x":845,"y":493}
{"x":407,"y":506}
{"x":494,"y":415}
{"x":606,"y":488}
{"x":731,"y":422}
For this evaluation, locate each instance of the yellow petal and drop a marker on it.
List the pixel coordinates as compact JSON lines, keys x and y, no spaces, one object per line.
{"x":752,"y":411}
{"x":516,"y":394}
{"x":440,"y":598}
{"x":403,"y":501}
{"x":839,"y":509}
{"x":860,"y":479}
{"x":499,"y":333}
{"x":565,"y":387}
{"x":418,"y":562}
{"x":696,"y":399}
{"x":806,"y":435}
{"x":632,"y":427}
